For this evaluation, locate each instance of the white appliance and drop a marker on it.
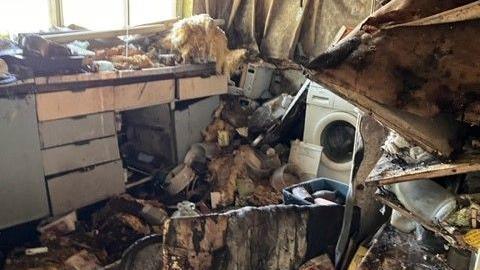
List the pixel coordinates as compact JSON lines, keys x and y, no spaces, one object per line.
{"x":330,"y":122}
{"x":256,"y":79}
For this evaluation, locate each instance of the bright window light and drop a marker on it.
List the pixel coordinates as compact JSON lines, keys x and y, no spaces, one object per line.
{"x":95,"y":14}
{"x":149,"y":11}
{"x":23,"y":16}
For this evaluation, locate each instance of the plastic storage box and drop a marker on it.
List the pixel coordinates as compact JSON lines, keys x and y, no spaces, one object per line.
{"x":312,"y":186}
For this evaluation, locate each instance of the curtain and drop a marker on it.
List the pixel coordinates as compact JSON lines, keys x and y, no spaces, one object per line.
{"x":284,"y":29}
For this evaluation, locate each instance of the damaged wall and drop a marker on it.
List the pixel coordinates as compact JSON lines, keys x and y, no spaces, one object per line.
{"x":268,"y":26}
{"x":425,"y":70}
{"x":272,"y":237}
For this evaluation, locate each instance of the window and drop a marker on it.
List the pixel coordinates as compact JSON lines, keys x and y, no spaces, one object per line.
{"x":149,"y":11}
{"x":94,"y":14}
{"x":110,"y":14}
{"x":21,"y":16}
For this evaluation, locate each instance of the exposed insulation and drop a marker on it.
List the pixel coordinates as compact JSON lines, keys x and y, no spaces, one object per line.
{"x":199,"y":40}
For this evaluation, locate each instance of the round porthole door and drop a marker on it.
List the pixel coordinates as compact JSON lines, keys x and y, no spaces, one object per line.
{"x":336,"y":134}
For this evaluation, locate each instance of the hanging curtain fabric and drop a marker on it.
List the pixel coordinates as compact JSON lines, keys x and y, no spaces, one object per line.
{"x":275,"y":28}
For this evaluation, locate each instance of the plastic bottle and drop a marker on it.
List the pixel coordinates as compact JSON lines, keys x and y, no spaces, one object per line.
{"x":426,"y":199}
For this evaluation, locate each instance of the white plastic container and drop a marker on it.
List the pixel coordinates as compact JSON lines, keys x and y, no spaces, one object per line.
{"x":426,"y":199}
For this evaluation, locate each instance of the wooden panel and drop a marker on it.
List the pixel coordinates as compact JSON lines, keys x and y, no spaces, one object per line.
{"x":63,"y":104}
{"x":132,"y":96}
{"x":70,"y":130}
{"x":81,"y":188}
{"x":23,"y":194}
{"x":189,"y":88}
{"x":80,"y":155}
{"x":387,"y":172}
{"x":435,"y":135}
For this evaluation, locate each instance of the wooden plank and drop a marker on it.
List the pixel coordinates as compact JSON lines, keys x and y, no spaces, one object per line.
{"x":196,"y":87}
{"x":63,"y":104}
{"x":81,"y":188}
{"x":432,"y":134}
{"x":131,"y":96}
{"x":387,"y":172}
{"x":75,"y":156}
{"x":454,"y":240}
{"x":70,"y":130}
{"x":47,"y":84}
{"x":467,"y":12}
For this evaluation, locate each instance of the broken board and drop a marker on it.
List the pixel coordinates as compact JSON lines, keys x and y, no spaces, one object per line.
{"x":432,"y":134}
{"x":387,"y":172}
{"x":392,"y":249}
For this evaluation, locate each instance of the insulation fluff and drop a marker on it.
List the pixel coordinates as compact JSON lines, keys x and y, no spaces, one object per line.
{"x":199,"y":40}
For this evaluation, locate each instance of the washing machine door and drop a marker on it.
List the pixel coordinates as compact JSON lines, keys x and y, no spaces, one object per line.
{"x":336,"y":134}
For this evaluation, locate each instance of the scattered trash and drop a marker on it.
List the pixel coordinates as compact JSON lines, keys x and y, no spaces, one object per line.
{"x":102,"y":66}
{"x":223,"y":138}
{"x":472,"y":238}
{"x":36,"y":251}
{"x":322,"y":190}
{"x":178,"y":179}
{"x":58,"y":227}
{"x":82,"y":261}
{"x":285,"y":176}
{"x":302,"y":193}
{"x":306,"y":157}
{"x":322,"y":262}
{"x":321,"y":201}
{"x":397,"y":146}
{"x":185,"y":209}
{"x":402,"y":223}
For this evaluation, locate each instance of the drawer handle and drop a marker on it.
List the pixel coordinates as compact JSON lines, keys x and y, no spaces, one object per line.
{"x":82,"y":143}
{"x":77,"y":88}
{"x":78,"y":117}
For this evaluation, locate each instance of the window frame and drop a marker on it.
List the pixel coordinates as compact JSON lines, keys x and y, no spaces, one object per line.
{"x":57,"y":19}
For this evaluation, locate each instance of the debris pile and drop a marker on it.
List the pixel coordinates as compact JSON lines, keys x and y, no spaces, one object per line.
{"x":71,"y":243}
{"x":225,"y":170}
{"x":447,"y":205}
{"x":199,"y":40}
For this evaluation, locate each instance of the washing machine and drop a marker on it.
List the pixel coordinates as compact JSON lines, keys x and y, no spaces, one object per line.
{"x":330,"y":122}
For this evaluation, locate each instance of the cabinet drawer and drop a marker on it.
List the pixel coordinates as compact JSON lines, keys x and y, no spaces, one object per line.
{"x":63,"y":104}
{"x":81,"y":188}
{"x":70,"y":130}
{"x":132,"y":96}
{"x":79,"y":155}
{"x":196,"y":87}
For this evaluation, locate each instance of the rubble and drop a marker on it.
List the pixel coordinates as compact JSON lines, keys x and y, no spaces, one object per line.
{"x":199,"y":40}
{"x":82,"y":261}
{"x":118,"y":232}
{"x":322,"y":262}
{"x":185,"y":209}
{"x":285,"y":176}
{"x":58,"y":227}
{"x":397,"y":146}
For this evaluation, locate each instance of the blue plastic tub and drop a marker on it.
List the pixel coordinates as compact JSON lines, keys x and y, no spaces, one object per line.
{"x":312,"y":186}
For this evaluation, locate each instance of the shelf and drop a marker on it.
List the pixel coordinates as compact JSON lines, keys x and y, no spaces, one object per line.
{"x":456,"y":240}
{"x":387,"y":172}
